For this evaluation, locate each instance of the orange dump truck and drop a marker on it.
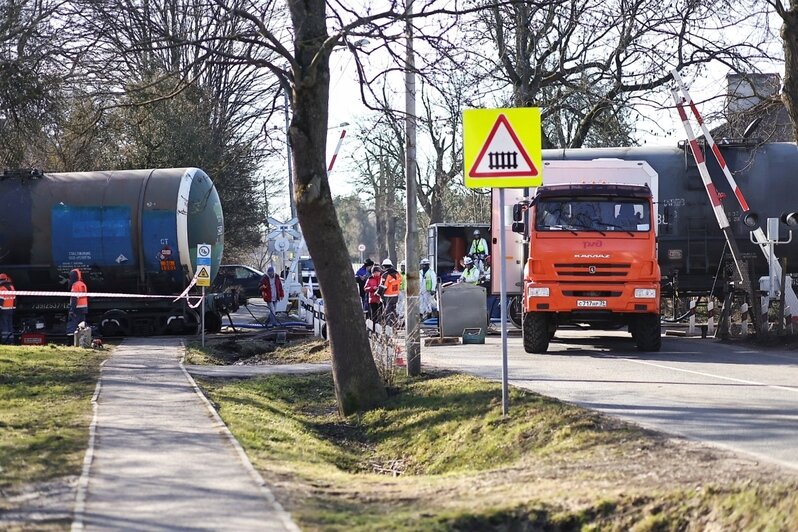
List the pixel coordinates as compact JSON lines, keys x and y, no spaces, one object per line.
{"x":592,"y":251}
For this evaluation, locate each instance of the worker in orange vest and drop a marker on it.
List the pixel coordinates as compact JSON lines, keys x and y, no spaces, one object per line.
{"x":78,"y":304}
{"x":7,"y":306}
{"x":389,"y":291}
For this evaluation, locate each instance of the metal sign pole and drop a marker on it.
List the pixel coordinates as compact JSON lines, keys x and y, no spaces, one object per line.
{"x":503,"y":304}
{"x":203,"y":278}
{"x":500,"y":155}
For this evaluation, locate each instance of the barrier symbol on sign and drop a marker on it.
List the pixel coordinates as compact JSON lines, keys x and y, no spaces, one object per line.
{"x":506,"y":156}
{"x":203,"y":250}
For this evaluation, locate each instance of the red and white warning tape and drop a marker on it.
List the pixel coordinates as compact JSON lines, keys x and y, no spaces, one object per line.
{"x":112,"y":295}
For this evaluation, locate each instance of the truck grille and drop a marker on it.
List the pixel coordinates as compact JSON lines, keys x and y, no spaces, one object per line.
{"x":595,"y":270}
{"x":592,"y":293}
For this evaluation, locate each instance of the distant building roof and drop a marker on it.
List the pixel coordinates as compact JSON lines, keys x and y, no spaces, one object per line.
{"x":753,"y":100}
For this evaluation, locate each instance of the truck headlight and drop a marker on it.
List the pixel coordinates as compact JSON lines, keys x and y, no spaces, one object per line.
{"x":645,"y":293}
{"x":538,"y":291}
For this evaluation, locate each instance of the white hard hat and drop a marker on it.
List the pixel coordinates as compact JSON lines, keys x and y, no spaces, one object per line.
{"x":467,"y":261}
{"x":477,"y":232}
{"x":387,"y":262}
{"x":424,"y":261}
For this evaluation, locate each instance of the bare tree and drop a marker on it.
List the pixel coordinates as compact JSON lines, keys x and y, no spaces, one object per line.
{"x":35,"y":57}
{"x":789,"y":34}
{"x":381,"y":165}
{"x":611,"y":53}
{"x":442,"y":124}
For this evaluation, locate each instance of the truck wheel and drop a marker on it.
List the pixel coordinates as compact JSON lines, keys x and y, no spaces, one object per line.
{"x":632,"y":331}
{"x":536,"y":332}
{"x":647,"y":333}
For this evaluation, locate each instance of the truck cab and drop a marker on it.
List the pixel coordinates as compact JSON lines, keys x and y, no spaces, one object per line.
{"x":592,"y":259}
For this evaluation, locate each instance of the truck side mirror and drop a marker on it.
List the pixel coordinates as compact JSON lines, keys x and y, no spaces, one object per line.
{"x":519,"y":227}
{"x":518,"y":212}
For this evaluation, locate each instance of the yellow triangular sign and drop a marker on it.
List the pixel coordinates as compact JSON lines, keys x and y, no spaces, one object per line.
{"x":203,"y":273}
{"x":506,"y":155}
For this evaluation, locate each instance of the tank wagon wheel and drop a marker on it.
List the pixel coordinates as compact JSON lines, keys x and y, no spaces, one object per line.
{"x":115,"y":323}
{"x":536,"y":332}
{"x":647,"y":334}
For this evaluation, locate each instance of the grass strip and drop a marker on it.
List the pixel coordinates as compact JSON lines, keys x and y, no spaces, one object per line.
{"x":45,"y":411}
{"x":439,"y":456}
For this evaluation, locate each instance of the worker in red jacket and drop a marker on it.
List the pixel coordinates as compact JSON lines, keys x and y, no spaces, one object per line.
{"x":78,"y":304}
{"x":370,"y":288}
{"x":7,"y":306}
{"x":271,"y":288}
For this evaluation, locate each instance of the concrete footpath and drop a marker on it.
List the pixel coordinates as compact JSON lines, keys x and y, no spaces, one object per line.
{"x":160,"y":459}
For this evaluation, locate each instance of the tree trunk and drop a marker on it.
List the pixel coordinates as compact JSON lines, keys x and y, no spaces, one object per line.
{"x":357,"y":384}
{"x":789,"y":33}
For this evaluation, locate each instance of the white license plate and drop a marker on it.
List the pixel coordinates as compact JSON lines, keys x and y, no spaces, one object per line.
{"x":592,"y":303}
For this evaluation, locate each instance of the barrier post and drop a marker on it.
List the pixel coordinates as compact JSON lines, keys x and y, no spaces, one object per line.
{"x":710,"y":317}
{"x":744,"y":320}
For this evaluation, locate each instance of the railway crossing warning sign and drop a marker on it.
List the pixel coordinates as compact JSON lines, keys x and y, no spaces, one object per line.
{"x":502,"y":148}
{"x":204,"y":265}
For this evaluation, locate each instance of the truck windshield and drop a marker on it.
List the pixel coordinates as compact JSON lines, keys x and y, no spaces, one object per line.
{"x":592,"y":214}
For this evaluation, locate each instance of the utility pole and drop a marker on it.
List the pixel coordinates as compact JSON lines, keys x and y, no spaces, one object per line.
{"x":288,"y":155}
{"x":412,"y":331}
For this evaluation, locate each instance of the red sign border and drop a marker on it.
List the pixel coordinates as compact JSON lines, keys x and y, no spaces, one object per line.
{"x":503,"y":119}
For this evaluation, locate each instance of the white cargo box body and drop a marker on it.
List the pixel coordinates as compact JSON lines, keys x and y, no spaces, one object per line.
{"x":596,"y":171}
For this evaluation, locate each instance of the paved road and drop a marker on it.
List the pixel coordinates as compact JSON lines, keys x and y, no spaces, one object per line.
{"x":161,"y":460}
{"x":735,"y":396}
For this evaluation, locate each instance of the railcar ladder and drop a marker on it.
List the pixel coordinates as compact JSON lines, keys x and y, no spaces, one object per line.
{"x":697,"y":246}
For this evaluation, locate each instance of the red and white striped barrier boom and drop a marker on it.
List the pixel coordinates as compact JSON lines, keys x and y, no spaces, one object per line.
{"x":337,"y":147}
{"x":709,"y":186}
{"x":759,"y":235}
